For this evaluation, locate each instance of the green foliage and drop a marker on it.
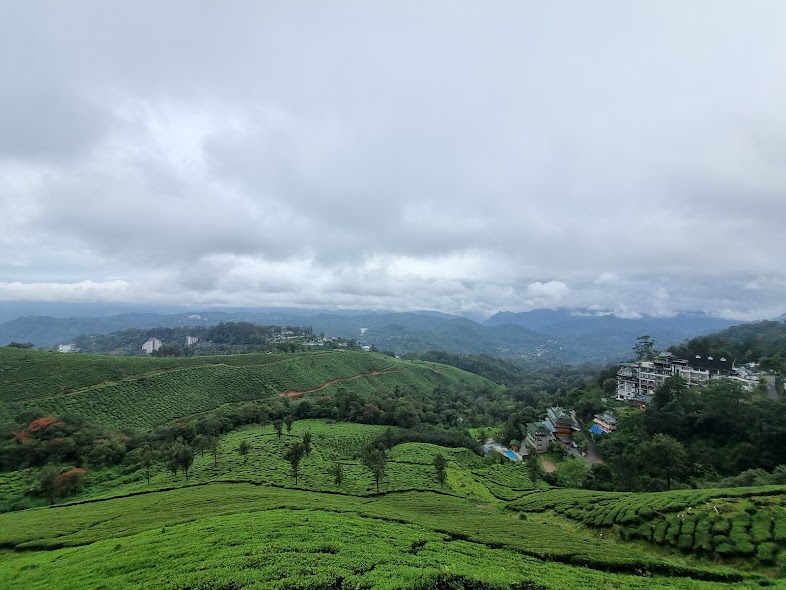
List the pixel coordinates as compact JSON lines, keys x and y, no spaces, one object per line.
{"x":644,"y":347}
{"x":236,"y":535}
{"x":293,"y":455}
{"x":760,"y":342}
{"x":374,"y":459}
{"x":726,"y":522}
{"x":141,"y":393}
{"x":572,"y":473}
{"x":243,"y":448}
{"x":440,"y":467}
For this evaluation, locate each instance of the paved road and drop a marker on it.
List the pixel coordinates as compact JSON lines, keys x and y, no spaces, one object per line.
{"x":771,"y":389}
{"x":592,"y":452}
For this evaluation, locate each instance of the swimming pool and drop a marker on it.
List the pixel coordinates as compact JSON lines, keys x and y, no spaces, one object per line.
{"x":511,"y":455}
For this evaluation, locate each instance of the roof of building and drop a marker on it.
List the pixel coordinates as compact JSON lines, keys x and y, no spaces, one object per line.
{"x":595,"y":429}
{"x":712,"y":363}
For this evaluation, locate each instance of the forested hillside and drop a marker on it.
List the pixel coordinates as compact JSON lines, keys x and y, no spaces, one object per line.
{"x":759,"y":342}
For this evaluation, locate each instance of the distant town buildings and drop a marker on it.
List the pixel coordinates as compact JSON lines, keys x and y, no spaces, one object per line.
{"x":66,"y":348}
{"x":152,"y":345}
{"x":191,"y":340}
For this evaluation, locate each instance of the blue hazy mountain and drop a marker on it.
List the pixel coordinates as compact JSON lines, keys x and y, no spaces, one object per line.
{"x":542,"y":336}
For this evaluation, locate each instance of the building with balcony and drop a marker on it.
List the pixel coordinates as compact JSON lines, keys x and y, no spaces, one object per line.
{"x":642,"y":378}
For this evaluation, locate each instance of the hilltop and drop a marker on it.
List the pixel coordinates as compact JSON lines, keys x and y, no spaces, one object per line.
{"x":128,"y":392}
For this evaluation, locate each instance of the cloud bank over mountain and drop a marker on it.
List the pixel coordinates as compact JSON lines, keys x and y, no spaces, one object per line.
{"x":461,"y":157}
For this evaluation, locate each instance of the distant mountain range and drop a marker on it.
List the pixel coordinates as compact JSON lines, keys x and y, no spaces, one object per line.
{"x":540,"y":336}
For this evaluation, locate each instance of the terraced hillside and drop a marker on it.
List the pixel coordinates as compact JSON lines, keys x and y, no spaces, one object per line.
{"x":242,"y":522}
{"x":243,"y":536}
{"x":743,"y":523}
{"x":140,"y":393}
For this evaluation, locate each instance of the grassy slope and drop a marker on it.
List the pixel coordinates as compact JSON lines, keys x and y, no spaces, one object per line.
{"x":223,"y":531}
{"x":223,"y":534}
{"x":409,"y":467}
{"x":143,"y":392}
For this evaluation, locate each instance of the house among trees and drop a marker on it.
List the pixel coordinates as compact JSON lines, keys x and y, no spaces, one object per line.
{"x":66,"y":348}
{"x":560,"y":424}
{"x":604,"y":423}
{"x":538,"y":437}
{"x":191,"y":340}
{"x":642,"y":378}
{"x":152,"y":345}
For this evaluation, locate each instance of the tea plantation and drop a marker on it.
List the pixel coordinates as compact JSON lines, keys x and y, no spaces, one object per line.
{"x":240,"y":520}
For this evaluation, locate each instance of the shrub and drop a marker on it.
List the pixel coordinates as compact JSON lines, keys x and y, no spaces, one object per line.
{"x":71,"y":481}
{"x":685,"y":542}
{"x":721,"y":526}
{"x":766,"y":553}
{"x":703,"y":536}
{"x":760,"y":528}
{"x":659,"y":531}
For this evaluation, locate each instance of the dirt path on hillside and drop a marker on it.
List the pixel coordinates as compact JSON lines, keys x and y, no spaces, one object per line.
{"x":294,"y":393}
{"x":548,"y":466}
{"x":154,"y":373}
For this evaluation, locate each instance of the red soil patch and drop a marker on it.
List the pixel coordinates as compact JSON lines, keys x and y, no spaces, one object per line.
{"x":294,"y":393}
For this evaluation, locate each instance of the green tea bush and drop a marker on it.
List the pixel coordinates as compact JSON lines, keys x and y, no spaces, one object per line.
{"x":767,"y":553}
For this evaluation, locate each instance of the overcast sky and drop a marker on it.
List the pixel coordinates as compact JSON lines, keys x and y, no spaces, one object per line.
{"x":466,"y":157}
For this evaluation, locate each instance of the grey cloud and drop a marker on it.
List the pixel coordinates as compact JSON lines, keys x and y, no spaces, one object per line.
{"x":460,"y":156}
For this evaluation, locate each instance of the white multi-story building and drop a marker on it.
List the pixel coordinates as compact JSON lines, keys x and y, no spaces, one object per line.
{"x":191,"y":340}
{"x":642,"y":378}
{"x":151,"y":345}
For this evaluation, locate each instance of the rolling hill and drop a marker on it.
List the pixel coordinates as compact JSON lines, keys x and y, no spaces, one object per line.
{"x":139,"y":393}
{"x":241,"y":520}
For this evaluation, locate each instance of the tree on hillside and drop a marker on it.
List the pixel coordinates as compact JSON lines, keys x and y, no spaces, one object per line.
{"x":338,"y":473}
{"x":278,"y":424}
{"x":668,"y":391}
{"x":181,"y":456}
{"x":20,"y":345}
{"x":533,"y":466}
{"x":440,"y":466}
{"x":374,"y":459}
{"x":289,"y":420}
{"x":213,"y":445}
{"x":200,"y":444}
{"x":307,"y":441}
{"x":664,"y":456}
{"x":572,"y":473}
{"x":47,"y":482}
{"x":70,"y":481}
{"x":644,"y":347}
{"x":185,"y":457}
{"x":143,"y":457}
{"x":294,"y":454}
{"x":243,"y":449}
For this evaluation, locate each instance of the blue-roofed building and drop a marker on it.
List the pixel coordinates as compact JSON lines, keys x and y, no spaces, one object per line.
{"x":606,"y":422}
{"x":595,"y":429}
